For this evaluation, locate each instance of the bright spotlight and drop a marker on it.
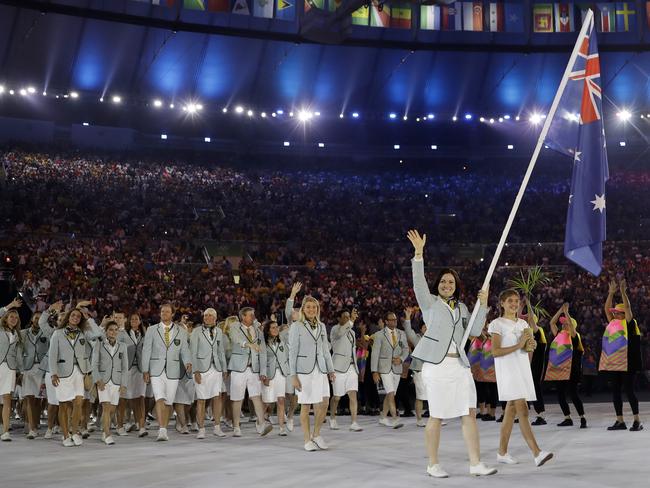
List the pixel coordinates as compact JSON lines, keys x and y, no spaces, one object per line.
{"x":101,"y":99}
{"x":340,"y":116}
{"x":11,"y":92}
{"x":320,"y":144}
{"x":171,"y":105}
{"x":535,"y":119}
{"x":405,"y":117}
{"x":31,"y":90}
{"x":507,"y":117}
{"x":481,"y":119}
{"x":157,"y":103}
{"x":2,"y":89}
{"x":392,"y":115}
{"x":190,"y":108}
{"x":163,"y":137}
{"x":317,"y":114}
{"x":511,"y":147}
{"x":290,"y":114}
{"x":624,"y":115}
{"x":287,"y":143}
{"x":430,"y":116}
{"x":355,"y":115}
{"x":199,"y":106}
{"x":23,"y":92}
{"x":239,"y":109}
{"x":417,"y":119}
{"x":206,"y":139}
{"x":263,"y":114}
{"x":500,"y":119}
{"x":303,"y":116}
{"x":44,"y":94}
{"x":396,"y":146}
{"x":274,"y":114}
{"x":250,"y":113}
{"x":74,"y":94}
{"x":454,"y":118}
{"x":491,"y":121}
{"x":224,"y":110}
{"x":468,"y":116}
{"x":434,"y":147}
{"x":280,"y":112}
{"x":85,"y":124}
{"x":117,"y":99}
{"x":622,"y":143}
{"x":517,"y":118}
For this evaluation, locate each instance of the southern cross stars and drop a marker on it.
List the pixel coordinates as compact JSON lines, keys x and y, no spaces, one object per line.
{"x":599,"y":203}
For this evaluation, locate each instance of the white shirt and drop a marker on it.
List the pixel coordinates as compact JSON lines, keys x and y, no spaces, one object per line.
{"x":453,"y":347}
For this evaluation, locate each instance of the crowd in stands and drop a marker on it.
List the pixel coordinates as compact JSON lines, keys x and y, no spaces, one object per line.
{"x":129,"y":235}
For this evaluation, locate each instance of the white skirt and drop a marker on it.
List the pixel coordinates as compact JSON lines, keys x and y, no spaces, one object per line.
{"x":50,"y":390}
{"x":276,"y":389}
{"x":71,"y":387}
{"x":7,"y":379}
{"x":314,"y":389}
{"x":136,"y":386}
{"x":110,"y":394}
{"x":210,"y":386}
{"x":420,"y":389}
{"x":185,"y":391}
{"x":449,"y":387}
{"x":32,"y":381}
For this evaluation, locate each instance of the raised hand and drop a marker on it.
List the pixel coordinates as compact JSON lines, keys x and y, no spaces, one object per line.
{"x":623,"y":286}
{"x":15,"y":303}
{"x":84,"y":303}
{"x":417,"y":241}
{"x":408,"y":312}
{"x":565,"y":308}
{"x":354,"y":315}
{"x":483,"y":296}
{"x":612,"y":287}
{"x":297,"y":286}
{"x":57,"y":306}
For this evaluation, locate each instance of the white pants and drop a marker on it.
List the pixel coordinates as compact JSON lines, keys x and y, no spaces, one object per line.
{"x":314,"y":388}
{"x":110,"y":394}
{"x":240,"y":382}
{"x":276,"y":389}
{"x":344,"y":382}
{"x":71,"y":387}
{"x":50,"y":390}
{"x":390,"y":381}
{"x":163,"y":388}
{"x":210,"y":386}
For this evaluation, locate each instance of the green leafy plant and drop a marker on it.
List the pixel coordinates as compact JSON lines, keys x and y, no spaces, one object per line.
{"x":526,"y":283}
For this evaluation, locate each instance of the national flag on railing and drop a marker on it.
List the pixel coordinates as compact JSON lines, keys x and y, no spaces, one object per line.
{"x":451,"y":18}
{"x":564,"y":17}
{"x":472,"y":16}
{"x":543,"y":17}
{"x":514,"y":13}
{"x":625,"y":16}
{"x":241,"y":7}
{"x":360,"y":16}
{"x":310,"y":4}
{"x":430,"y":17}
{"x":577,"y":130}
{"x":263,"y":8}
{"x":285,"y":9}
{"x":400,"y":15}
{"x":379,"y":14}
{"x":497,"y":17}
{"x":607,"y":17}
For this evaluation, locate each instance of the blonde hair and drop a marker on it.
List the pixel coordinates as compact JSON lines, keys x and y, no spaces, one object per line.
{"x":16,"y":329}
{"x":305,"y":300}
{"x":233,"y":319}
{"x":210,"y":311}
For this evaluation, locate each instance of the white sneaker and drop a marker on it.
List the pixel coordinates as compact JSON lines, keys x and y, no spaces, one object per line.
{"x":264,"y":429}
{"x":68,"y":442}
{"x":311,"y":446}
{"x":354,"y":427}
{"x":236,"y":432}
{"x":481,"y":469}
{"x":143,"y":433}
{"x":130,"y":427}
{"x":76,"y":438}
{"x":6,"y":437}
{"x":32,"y":435}
{"x":396,"y":424}
{"x":385,"y":422}
{"x":56,"y":430}
{"x":162,"y":435}
{"x":283,"y":432}
{"x":178,"y":427}
{"x":421,"y":423}
{"x":506,"y":459}
{"x":185,"y":430}
{"x":218,"y":432}
{"x":122,"y":432}
{"x":542,"y":458}
{"x":320,"y":442}
{"x":437,"y":472}
{"x":194,"y":427}
{"x":334,"y":425}
{"x":290,"y":425}
{"x":109,"y":441}
{"x":48,"y":434}
{"x":201,"y":434}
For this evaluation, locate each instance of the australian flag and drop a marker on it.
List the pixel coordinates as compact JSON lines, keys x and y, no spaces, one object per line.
{"x":577,"y":130}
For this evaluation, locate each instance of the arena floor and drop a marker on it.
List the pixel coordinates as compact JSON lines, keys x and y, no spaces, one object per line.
{"x":376,"y":457}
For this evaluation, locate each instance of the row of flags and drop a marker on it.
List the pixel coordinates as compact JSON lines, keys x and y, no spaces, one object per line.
{"x":457,"y":16}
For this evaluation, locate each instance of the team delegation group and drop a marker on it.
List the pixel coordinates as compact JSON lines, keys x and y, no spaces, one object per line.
{"x":216,"y":364}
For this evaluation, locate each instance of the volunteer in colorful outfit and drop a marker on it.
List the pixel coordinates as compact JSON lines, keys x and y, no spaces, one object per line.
{"x":566,"y":365}
{"x":621,"y":354}
{"x":537,"y":363}
{"x":482,"y":367}
{"x":514,"y":376}
{"x":446,"y":374}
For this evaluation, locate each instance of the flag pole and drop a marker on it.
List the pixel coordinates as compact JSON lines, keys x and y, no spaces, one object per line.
{"x":589,"y":18}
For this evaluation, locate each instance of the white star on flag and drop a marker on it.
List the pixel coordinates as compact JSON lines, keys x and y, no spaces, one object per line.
{"x":576,"y":157}
{"x":599,"y":203}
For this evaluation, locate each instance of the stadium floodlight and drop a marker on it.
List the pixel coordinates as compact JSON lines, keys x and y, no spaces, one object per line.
{"x":263,"y":114}
{"x":117,"y":99}
{"x":171,"y":105}
{"x":85,"y":124}
{"x":250,"y":113}
{"x":157,"y":103}
{"x":500,"y":119}
{"x":622,"y":143}
{"x":23,"y":92}
{"x":280,"y":112}
{"x":274,"y":114}
{"x":355,"y":115}
{"x":303,"y":116}
{"x":434,"y":147}
{"x":511,"y":147}
{"x":392,"y":115}
{"x":481,"y":119}
{"x":507,"y":117}
{"x":287,"y":143}
{"x":224,"y":110}
{"x":207,"y":139}
{"x":239,"y":109}
{"x":468,"y":116}
{"x":491,"y":121}
{"x":396,"y":146}
{"x":163,"y":137}
{"x":317,"y":114}
{"x":31,"y":90}
{"x":430,"y":116}
{"x":320,"y":144}
{"x":290,"y":114}
{"x":74,"y":94}
{"x":190,"y":108}
{"x":624,"y":115}
{"x":535,"y":119}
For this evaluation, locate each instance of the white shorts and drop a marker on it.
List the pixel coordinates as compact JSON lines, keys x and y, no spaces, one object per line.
{"x":7,"y":379}
{"x":276,"y":389}
{"x":210,"y":386}
{"x":240,"y":382}
{"x":390,"y":381}
{"x":344,"y":382}
{"x":185,"y":392}
{"x":32,"y":381}
{"x":314,"y":389}
{"x":71,"y":387}
{"x":420,"y":390}
{"x":50,"y":390}
{"x":136,"y":386}
{"x":111,"y":394}
{"x":163,"y":388}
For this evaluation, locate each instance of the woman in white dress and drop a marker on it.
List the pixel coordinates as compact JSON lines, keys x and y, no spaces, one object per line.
{"x":514,"y":376}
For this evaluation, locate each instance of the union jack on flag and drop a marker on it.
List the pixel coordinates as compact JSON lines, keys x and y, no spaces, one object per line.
{"x":577,"y":130}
